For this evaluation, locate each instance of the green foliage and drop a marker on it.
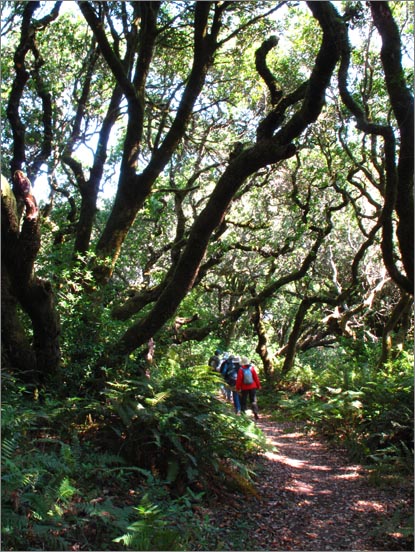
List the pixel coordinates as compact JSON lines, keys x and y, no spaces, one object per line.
{"x":70,"y":463}
{"x":46,"y":481}
{"x":122,"y":473}
{"x":370,"y":411}
{"x":157,"y":526}
{"x":177,"y":428}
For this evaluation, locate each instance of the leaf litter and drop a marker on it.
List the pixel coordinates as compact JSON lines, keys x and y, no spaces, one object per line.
{"x":312,"y":498}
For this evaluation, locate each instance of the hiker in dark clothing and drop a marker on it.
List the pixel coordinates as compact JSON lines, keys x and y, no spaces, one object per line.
{"x":230,"y":378}
{"x":247,"y":383}
{"x":215,"y":361}
{"x":224,"y":368}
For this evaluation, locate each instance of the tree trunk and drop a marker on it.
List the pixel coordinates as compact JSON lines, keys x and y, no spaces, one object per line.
{"x":400,"y":311}
{"x":17,"y":355}
{"x":133,"y":189}
{"x":35,"y":296}
{"x":402,"y":102}
{"x":265,"y":152}
{"x":295,"y":334}
{"x":262,"y":346}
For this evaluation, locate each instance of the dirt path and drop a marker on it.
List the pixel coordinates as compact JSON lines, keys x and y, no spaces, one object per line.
{"x":312,"y":498}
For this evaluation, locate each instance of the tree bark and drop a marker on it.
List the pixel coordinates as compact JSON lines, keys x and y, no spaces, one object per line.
{"x":295,"y":334}
{"x":262,"y":345}
{"x":35,"y":296}
{"x":399,"y":312}
{"x":402,"y":102}
{"x":17,"y":355}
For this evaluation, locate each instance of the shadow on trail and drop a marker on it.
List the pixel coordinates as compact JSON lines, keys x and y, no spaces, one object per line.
{"x":312,"y":498}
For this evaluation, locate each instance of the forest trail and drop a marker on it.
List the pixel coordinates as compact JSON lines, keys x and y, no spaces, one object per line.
{"x":313,"y":498}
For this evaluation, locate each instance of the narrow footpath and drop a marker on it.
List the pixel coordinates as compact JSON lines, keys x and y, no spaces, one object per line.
{"x":312,"y":498}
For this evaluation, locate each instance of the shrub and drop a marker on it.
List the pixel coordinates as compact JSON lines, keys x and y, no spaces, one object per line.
{"x":178,"y":429}
{"x":370,"y":413}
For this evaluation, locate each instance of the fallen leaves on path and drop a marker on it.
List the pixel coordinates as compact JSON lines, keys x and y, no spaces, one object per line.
{"x":312,"y":498}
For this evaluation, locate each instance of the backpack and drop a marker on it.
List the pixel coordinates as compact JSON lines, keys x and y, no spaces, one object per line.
{"x":225,"y":366}
{"x":231,"y":374}
{"x":248,"y":378}
{"x":214,"y":362}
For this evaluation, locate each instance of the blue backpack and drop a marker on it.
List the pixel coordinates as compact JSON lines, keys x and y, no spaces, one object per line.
{"x":248,"y":378}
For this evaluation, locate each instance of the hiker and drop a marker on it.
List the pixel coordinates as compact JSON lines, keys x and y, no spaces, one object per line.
{"x":230,"y":378}
{"x":226,"y":366}
{"x":214,"y":361}
{"x":247,"y":383}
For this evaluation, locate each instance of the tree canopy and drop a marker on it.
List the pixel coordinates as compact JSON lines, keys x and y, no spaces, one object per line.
{"x":208,"y":162}
{"x":180,"y":177}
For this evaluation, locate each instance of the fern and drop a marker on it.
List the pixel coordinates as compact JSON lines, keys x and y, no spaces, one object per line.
{"x":9,"y":447}
{"x":158,"y":436}
{"x":152,"y":531}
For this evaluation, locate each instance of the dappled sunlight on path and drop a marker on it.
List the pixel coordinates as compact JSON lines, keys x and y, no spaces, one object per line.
{"x":312,"y":498}
{"x":316,"y":500}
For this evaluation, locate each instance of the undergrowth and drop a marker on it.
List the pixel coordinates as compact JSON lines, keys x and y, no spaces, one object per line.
{"x":132,"y":469}
{"x":370,"y":412}
{"x":126,"y":472}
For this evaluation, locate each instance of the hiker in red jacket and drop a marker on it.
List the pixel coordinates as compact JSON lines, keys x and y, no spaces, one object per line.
{"x":247,"y":384}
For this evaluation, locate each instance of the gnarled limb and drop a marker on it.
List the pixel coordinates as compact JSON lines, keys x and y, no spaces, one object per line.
{"x":402,"y":102}
{"x":398,"y":193}
{"x":22,"y":75}
{"x":263,"y":70}
{"x":19,"y":252}
{"x":133,"y":189}
{"x":239,"y":169}
{"x":20,"y":80}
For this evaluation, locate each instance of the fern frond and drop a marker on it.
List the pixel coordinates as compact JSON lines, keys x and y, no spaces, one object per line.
{"x":9,"y":447}
{"x":158,"y":398}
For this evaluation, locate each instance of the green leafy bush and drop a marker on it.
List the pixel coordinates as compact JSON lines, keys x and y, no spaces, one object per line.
{"x":177,"y":428}
{"x":122,"y":472}
{"x":161,"y":523}
{"x":369,"y":411}
{"x":58,"y":494}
